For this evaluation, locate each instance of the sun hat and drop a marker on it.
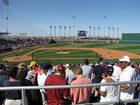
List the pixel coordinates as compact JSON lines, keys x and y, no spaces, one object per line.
{"x":125,"y":58}
{"x":22,"y":65}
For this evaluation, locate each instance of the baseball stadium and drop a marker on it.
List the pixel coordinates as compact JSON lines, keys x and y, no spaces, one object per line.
{"x":88,"y":58}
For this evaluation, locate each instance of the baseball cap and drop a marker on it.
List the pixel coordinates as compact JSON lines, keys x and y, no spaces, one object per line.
{"x":109,"y":69}
{"x":61,"y":67}
{"x":125,"y":58}
{"x":2,"y":66}
{"x":33,"y":63}
{"x":45,"y":66}
{"x":67,"y":65}
{"x":106,"y":62}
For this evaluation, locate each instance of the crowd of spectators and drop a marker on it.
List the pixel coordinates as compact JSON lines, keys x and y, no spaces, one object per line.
{"x":46,"y":74}
{"x":16,"y":42}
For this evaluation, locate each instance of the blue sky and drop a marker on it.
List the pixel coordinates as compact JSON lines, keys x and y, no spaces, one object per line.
{"x":35,"y":16}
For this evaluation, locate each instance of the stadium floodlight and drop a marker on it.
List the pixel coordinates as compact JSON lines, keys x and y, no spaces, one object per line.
{"x":6,"y":3}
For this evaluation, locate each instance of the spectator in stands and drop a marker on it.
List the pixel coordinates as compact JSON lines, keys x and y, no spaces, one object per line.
{"x":3,"y":76}
{"x":127,"y":74}
{"x":117,"y":71}
{"x":100,"y":59}
{"x":22,"y":73}
{"x":34,"y":69}
{"x":69,"y":73}
{"x":136,"y":66}
{"x":80,"y":95}
{"x":41,"y":77}
{"x":108,"y":92}
{"x":98,"y":74}
{"x":57,"y":96}
{"x":12,"y":97}
{"x":87,"y":69}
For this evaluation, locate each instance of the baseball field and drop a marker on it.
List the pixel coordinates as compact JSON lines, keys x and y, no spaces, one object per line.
{"x":72,"y":53}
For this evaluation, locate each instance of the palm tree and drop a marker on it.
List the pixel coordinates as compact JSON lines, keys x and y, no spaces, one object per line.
{"x":104,"y":32}
{"x":69,"y":31}
{"x":109,"y":32}
{"x":55,"y":31}
{"x":98,"y":32}
{"x":90,"y":30}
{"x":60,"y":30}
{"x":50,"y":31}
{"x":65,"y":31}
{"x":113,"y":32}
{"x":94,"y":31}
{"x":118,"y":33}
{"x":73,"y":30}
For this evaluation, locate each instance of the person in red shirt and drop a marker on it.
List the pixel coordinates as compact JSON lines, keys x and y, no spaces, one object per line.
{"x":57,"y":96}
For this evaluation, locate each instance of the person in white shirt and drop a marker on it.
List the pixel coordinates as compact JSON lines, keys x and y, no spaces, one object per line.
{"x":127,"y":74}
{"x":87,"y":69}
{"x":117,"y":71}
{"x":41,"y":78}
{"x":108,"y":92}
{"x":69,"y":73}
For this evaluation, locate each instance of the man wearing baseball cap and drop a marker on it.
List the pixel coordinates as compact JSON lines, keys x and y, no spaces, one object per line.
{"x":127,"y":74}
{"x":108,"y":92}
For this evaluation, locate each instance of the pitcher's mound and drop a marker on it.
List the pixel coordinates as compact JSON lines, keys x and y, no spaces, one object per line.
{"x":63,"y":52}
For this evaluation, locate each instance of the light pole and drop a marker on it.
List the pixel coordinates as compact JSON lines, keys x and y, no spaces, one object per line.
{"x":6,"y":3}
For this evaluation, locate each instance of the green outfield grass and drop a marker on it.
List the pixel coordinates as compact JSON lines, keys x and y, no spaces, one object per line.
{"x":133,"y":48}
{"x":72,"y":54}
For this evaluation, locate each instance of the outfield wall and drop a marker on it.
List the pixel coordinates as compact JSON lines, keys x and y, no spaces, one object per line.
{"x":130,"y":38}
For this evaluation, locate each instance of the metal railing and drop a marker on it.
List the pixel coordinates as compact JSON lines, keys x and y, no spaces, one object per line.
{"x":23,"y":88}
